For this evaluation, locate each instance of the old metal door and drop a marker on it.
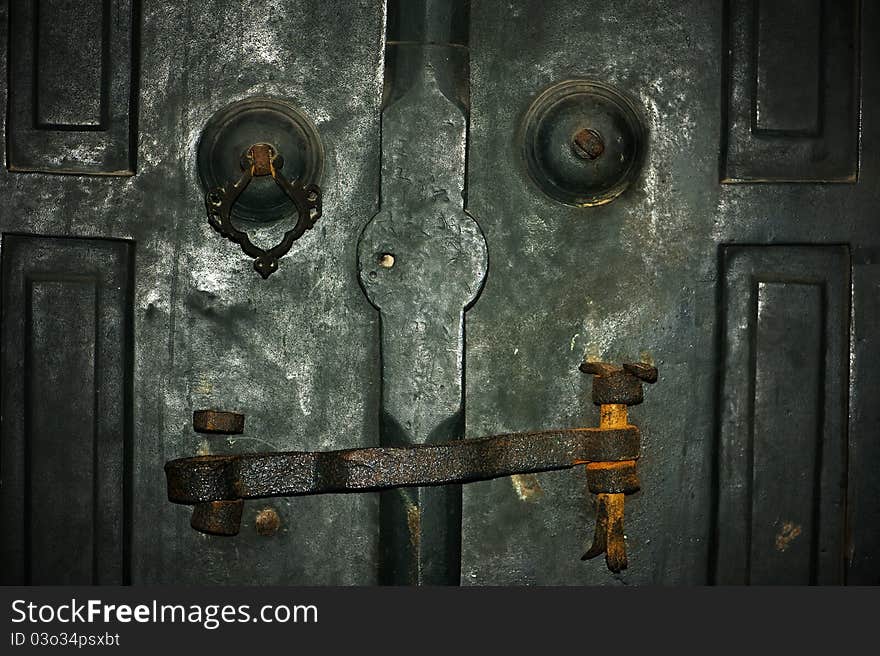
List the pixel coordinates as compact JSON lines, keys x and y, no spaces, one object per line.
{"x":742,"y":259}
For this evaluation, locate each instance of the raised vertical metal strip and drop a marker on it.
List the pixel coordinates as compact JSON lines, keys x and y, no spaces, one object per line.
{"x":787,"y":431}
{"x":61,"y":391}
{"x":422,"y":261}
{"x":72,"y":86}
{"x":66,"y":371}
{"x":863,"y":502}
{"x":782,"y":432}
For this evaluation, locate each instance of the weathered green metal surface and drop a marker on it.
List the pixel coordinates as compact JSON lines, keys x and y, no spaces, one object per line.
{"x":640,"y":278}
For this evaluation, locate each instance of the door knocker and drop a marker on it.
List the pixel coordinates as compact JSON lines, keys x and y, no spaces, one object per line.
{"x":241,"y":153}
{"x":260,"y":160}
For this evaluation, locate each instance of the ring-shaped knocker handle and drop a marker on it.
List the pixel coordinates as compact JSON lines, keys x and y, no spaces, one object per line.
{"x":260,"y":160}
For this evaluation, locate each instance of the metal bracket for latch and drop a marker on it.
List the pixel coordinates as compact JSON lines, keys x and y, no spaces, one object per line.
{"x":614,"y":389}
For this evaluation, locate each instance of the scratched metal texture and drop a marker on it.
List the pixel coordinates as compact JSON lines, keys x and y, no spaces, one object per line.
{"x":299,"y":354}
{"x":635,"y":279}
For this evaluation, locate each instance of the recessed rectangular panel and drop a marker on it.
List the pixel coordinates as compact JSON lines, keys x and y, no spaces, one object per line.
{"x":61,"y":334}
{"x":65,"y":427}
{"x":787,"y":431}
{"x":71,"y":95}
{"x":788,"y":57}
{"x":792,"y":91}
{"x":784,"y":318}
{"x":70,"y":37}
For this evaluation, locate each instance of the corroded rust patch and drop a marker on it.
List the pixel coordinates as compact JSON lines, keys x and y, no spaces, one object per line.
{"x":218,"y":421}
{"x":612,"y":415}
{"x":787,"y":534}
{"x":262,"y":155}
{"x":414,"y":523}
{"x":217,"y":517}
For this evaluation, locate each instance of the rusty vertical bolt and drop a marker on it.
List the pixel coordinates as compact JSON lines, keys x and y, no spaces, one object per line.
{"x":217,"y":517}
{"x":614,"y":388}
{"x":612,"y":415}
{"x":262,"y":155}
{"x":588,"y":144}
{"x":608,"y":537}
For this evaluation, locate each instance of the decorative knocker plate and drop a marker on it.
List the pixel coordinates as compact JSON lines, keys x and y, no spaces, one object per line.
{"x":261,"y":160}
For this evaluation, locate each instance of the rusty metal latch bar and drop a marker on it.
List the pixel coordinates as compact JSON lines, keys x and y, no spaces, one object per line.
{"x":291,"y":473}
{"x":216,"y":485}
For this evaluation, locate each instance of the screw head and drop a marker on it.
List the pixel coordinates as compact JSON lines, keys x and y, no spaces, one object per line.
{"x":267,"y":522}
{"x":588,"y":144}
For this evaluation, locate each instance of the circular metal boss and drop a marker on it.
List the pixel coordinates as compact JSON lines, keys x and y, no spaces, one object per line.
{"x":235,"y":128}
{"x":583,"y":142}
